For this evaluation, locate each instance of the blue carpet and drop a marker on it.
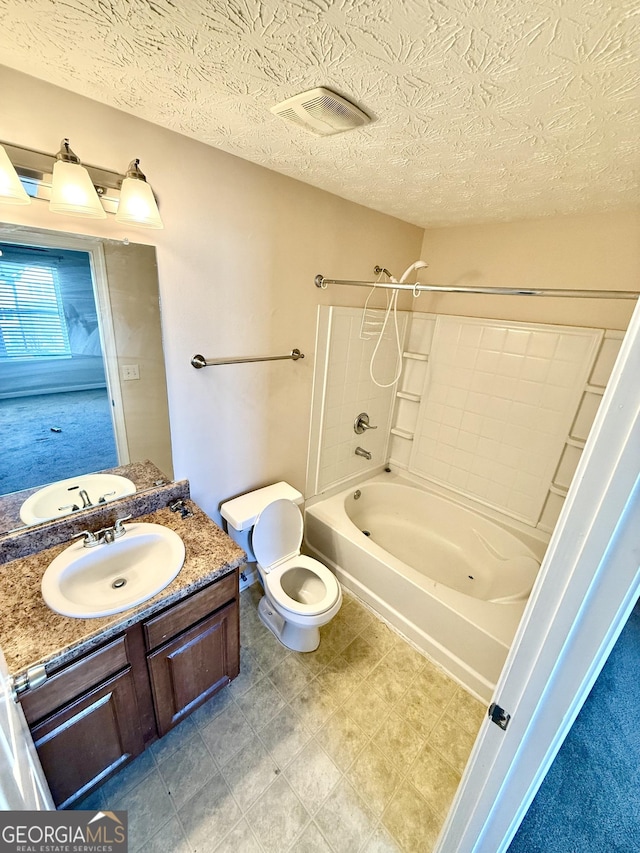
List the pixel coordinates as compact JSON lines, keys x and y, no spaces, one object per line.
{"x":589,"y":801}
{"x":52,"y":436}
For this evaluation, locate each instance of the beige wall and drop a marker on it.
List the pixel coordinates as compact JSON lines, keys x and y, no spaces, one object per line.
{"x":236,"y":263}
{"x":597,"y":251}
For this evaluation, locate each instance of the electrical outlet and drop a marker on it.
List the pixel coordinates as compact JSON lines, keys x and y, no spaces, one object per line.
{"x":130,"y":371}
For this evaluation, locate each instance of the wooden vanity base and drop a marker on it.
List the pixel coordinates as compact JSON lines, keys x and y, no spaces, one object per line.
{"x":95,"y":715}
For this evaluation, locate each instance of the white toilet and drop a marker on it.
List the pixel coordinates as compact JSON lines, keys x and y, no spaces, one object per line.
{"x":301,"y":594}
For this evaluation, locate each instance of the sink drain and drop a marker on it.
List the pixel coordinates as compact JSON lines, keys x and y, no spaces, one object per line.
{"x":119,"y":583}
{"x":367,"y":532}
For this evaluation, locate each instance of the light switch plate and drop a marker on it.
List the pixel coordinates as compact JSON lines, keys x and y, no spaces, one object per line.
{"x":130,"y":371}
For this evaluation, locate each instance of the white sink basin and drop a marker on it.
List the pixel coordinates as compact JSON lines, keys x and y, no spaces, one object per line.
{"x":112,"y":577}
{"x":59,"y":498}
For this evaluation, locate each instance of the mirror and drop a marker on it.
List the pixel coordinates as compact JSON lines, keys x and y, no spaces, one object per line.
{"x":125,"y":321}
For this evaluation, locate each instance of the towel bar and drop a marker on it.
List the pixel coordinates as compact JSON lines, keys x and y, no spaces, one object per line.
{"x":200,"y":361}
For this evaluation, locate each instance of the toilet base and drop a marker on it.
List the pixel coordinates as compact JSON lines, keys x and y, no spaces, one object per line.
{"x":291,"y":636}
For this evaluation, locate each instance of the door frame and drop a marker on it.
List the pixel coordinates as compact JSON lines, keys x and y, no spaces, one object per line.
{"x":587,"y":586}
{"x":22,"y":781}
{"x":109,"y":348}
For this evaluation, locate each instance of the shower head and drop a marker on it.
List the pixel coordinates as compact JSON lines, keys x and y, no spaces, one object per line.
{"x":417,"y":265}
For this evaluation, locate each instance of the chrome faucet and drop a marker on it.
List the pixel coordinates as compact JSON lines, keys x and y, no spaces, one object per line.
{"x":360,"y":451}
{"x":86,"y":500}
{"x":104,"y":536}
{"x":90,"y":539}
{"x":115,"y":532}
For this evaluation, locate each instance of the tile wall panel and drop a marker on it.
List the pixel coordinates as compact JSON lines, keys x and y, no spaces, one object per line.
{"x":350,"y":390}
{"x":498,"y":404}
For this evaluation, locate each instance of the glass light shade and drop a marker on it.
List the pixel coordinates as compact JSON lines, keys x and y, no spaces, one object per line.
{"x":137,"y":205}
{"x":11,"y":190}
{"x":72,"y":191}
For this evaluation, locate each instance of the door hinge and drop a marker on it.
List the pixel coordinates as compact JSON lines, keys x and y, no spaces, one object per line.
{"x":499,"y":716}
{"x":28,"y":680}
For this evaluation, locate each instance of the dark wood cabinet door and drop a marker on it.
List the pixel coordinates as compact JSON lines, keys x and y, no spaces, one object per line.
{"x":189,"y":669}
{"x":82,"y":744}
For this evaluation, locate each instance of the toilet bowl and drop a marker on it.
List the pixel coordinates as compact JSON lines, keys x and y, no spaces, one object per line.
{"x":300,"y":594}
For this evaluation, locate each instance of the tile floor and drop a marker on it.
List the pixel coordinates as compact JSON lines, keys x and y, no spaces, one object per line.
{"x":358,"y":746}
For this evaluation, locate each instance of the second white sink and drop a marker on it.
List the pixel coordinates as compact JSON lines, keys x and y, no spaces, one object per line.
{"x":59,"y":498}
{"x":112,"y":577}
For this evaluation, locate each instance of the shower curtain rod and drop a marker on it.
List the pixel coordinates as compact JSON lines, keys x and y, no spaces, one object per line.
{"x":321,"y":281}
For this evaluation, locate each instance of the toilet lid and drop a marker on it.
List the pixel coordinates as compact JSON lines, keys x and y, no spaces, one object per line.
{"x":277,"y":533}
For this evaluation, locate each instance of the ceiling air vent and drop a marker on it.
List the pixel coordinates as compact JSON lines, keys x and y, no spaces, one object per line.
{"x":322,"y":112}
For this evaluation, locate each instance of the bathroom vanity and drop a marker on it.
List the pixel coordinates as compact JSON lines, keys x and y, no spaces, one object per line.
{"x":116,"y":684}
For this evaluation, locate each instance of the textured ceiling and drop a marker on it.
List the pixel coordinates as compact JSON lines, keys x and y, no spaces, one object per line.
{"x":483,"y":110}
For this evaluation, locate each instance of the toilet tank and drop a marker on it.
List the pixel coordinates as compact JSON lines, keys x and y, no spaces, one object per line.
{"x":240,"y":513}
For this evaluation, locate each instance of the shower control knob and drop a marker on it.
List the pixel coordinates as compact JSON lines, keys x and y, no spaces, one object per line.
{"x":361,"y":423}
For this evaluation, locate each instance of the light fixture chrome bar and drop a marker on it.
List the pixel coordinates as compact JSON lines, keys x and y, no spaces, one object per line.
{"x":321,"y":281}
{"x":36,"y":168}
{"x":200,"y":361}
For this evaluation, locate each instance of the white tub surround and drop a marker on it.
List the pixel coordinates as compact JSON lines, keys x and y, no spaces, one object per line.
{"x":343,"y":389}
{"x":452,"y":581}
{"x":498,"y":405}
{"x":492,"y":415}
{"x":499,"y":411}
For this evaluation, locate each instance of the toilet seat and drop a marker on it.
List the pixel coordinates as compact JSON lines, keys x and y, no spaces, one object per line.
{"x":276,"y":541}
{"x":273,"y":581}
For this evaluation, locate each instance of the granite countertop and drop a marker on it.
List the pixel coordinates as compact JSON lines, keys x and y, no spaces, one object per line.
{"x":31,"y":633}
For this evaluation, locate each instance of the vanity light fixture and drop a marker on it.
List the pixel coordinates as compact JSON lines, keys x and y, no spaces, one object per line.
{"x":137,"y":205}
{"x":72,"y":190}
{"x":11,"y":190}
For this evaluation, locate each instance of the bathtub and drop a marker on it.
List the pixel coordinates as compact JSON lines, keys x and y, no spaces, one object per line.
{"x":452,"y":581}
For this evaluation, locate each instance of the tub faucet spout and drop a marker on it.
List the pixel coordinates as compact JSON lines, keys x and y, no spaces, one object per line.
{"x":360,"y":451}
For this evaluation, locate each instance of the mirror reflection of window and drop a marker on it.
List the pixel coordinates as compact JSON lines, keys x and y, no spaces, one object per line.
{"x":32,"y":321}
{"x":55,"y":411}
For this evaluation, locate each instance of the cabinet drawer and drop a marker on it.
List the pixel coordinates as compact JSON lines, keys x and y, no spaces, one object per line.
{"x":74,"y":679}
{"x":185,"y":614}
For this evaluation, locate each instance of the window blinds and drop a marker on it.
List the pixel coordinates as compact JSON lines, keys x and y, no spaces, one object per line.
{"x":32,"y":321}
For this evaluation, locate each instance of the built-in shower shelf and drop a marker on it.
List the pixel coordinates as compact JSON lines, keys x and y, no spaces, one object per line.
{"x":416,"y":356}
{"x":406,"y":395}
{"x":561,"y":491}
{"x":576,"y":442}
{"x":402,"y":433}
{"x":594,"y":389}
